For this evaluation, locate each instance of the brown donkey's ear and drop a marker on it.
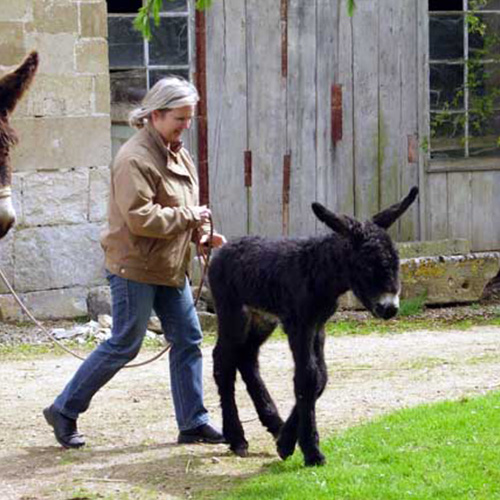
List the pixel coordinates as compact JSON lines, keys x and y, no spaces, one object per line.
{"x":14,"y":84}
{"x":342,"y":224}
{"x":387,"y":217}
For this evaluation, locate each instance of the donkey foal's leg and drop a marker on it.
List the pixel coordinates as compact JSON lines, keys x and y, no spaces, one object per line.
{"x":249,"y":369}
{"x":225,"y":377}
{"x":308,"y":382}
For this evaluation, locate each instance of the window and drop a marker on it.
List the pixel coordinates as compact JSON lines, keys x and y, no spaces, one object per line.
{"x":464,"y":45}
{"x":136,"y":64}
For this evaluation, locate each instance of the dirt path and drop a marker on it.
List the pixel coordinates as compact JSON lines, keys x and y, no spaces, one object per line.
{"x":131,"y":430}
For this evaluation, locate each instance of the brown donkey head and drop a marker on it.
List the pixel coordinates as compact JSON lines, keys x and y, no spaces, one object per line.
{"x":12,"y":87}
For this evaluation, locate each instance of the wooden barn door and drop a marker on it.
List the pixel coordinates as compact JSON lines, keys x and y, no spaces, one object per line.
{"x":315,"y":105}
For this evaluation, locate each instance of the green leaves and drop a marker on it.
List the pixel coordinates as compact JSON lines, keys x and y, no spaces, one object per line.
{"x":152,"y":9}
{"x":351,"y":6}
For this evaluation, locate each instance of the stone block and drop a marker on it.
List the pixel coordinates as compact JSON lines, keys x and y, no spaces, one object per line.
{"x":49,"y":304}
{"x":99,"y":302}
{"x":452,"y":279}
{"x":441,"y":280}
{"x":412,"y":249}
{"x":92,"y":56}
{"x":7,"y":260}
{"x":14,"y":10}
{"x":58,"y":95}
{"x":69,"y":142}
{"x":99,"y":194}
{"x":54,"y":17}
{"x":102,"y":94}
{"x":57,"y":52}
{"x":12,"y":43}
{"x":56,"y":197}
{"x":93,"y":20}
{"x":58,"y":257}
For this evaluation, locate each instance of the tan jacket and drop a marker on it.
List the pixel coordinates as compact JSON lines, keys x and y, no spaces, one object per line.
{"x":150,"y":222}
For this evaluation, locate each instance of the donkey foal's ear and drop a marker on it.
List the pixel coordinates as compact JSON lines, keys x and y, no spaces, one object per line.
{"x":341,"y":224}
{"x":387,"y":217}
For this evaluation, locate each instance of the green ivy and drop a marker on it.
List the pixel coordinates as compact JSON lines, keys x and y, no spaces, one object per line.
{"x":151,"y":9}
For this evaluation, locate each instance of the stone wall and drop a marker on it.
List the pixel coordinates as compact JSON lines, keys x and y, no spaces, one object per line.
{"x":61,"y":165}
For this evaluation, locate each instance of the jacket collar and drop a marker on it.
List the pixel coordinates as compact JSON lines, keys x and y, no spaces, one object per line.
{"x":170,"y":151}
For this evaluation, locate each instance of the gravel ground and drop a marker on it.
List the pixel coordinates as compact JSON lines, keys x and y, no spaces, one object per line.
{"x":131,"y":432}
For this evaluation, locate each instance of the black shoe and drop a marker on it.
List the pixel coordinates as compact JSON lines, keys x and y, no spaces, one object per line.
{"x":203,"y":434}
{"x":65,"y":429}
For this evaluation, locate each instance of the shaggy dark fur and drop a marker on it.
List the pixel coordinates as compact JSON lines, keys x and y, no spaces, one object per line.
{"x":297,"y":281}
{"x":12,"y":87}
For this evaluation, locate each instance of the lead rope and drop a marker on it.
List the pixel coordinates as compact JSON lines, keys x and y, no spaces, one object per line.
{"x":204,"y":258}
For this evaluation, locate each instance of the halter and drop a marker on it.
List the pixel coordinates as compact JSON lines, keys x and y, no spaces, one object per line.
{"x":5,"y":192}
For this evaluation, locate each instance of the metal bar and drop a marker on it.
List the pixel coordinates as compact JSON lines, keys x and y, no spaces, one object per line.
{"x":412,"y":149}
{"x":248,"y":188}
{"x":336,"y":113}
{"x":466,"y":80}
{"x":287,"y":160}
{"x":201,"y":84}
{"x":284,"y":38}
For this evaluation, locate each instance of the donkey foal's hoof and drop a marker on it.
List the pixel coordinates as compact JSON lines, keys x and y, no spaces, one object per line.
{"x":285,"y":445}
{"x":240,"y":450}
{"x":315,"y":459}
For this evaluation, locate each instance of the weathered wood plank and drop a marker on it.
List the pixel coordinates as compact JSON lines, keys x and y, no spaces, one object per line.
{"x":423,"y":112}
{"x":391,"y":51}
{"x":366,"y":116}
{"x":335,"y":181}
{"x":485,"y":210}
{"x":460,"y":205}
{"x":409,"y":228}
{"x":326,"y":67}
{"x":227,"y":114}
{"x":301,"y":115}
{"x":437,"y":206}
{"x":266,"y":114}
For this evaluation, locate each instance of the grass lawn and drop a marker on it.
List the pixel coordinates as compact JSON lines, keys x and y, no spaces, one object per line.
{"x":445,"y":451}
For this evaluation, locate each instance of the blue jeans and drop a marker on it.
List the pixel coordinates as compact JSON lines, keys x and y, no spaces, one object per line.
{"x":132,"y":303}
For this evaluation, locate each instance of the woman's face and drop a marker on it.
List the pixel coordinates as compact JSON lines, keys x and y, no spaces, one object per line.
{"x":170,"y":124}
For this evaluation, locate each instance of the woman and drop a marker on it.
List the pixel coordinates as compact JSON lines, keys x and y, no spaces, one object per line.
{"x":153,"y":217}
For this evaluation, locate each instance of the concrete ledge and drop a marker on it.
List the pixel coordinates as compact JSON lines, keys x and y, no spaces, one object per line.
{"x":414,"y":249}
{"x":448,"y":279}
{"x":441,"y":279}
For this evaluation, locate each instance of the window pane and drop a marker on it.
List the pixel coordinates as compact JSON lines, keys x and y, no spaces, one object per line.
{"x":174,"y":6}
{"x":437,"y":5}
{"x":123,"y":6}
{"x":446,"y":34}
{"x":446,"y":86}
{"x":447,"y":135}
{"x":484,"y":134}
{"x":486,"y":45}
{"x":126,"y":46}
{"x":128,"y":87}
{"x":169,"y":42}
{"x":484,"y":86}
{"x":491,"y":5}
{"x":157,"y":74}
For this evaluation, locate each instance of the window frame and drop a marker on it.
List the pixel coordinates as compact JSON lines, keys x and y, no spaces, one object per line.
{"x":188,"y":14}
{"x":466,"y":163}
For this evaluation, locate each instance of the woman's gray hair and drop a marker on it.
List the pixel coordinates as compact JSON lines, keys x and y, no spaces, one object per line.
{"x":168,"y":93}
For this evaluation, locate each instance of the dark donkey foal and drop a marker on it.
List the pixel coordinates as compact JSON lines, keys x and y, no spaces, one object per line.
{"x":298,"y":281}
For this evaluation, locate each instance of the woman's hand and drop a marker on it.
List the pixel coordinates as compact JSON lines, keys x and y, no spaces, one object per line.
{"x":217,"y":240}
{"x":203,"y":213}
